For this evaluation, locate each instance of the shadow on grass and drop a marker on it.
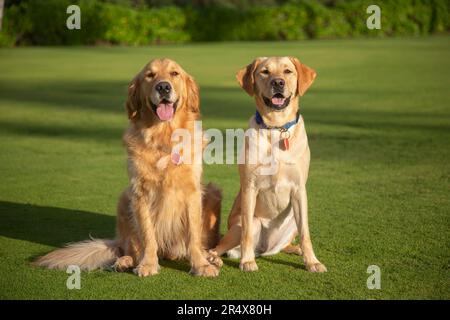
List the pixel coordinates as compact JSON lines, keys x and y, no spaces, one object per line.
{"x":56,"y":130}
{"x":105,"y":96}
{"x":57,"y":226}
{"x":274,"y":260}
{"x":52,"y":226}
{"x":233,"y":263}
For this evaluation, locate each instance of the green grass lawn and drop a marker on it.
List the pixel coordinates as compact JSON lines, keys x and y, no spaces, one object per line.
{"x":378,"y":121}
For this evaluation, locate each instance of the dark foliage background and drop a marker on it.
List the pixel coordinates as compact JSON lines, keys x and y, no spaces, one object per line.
{"x":143,"y":22}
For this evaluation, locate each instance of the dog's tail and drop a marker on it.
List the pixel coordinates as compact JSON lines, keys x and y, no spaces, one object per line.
{"x":212,"y":203}
{"x":88,"y":255}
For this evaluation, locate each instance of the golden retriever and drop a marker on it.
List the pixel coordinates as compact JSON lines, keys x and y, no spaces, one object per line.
{"x":270,"y":210}
{"x":165,"y":212}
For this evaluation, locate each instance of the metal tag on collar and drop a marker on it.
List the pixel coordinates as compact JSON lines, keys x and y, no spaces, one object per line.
{"x":284,"y":138}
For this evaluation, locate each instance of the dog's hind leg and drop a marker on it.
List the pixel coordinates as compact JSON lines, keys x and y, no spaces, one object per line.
{"x":293,"y":248}
{"x":230,"y":240}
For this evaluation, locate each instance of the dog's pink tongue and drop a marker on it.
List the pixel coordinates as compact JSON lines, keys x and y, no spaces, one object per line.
{"x":278,"y":101}
{"x":165,"y":111}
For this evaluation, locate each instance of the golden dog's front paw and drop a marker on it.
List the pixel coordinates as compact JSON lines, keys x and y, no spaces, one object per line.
{"x":205,"y":271}
{"x":248,"y":266}
{"x":214,"y":258}
{"x":316,"y":267}
{"x":123,"y":263}
{"x":145,"y":270}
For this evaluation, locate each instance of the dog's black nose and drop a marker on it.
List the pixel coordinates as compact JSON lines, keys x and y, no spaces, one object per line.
{"x":163,"y":87}
{"x":277,"y":83}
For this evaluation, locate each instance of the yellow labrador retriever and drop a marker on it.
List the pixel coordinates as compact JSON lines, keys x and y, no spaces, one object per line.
{"x":271,"y":209}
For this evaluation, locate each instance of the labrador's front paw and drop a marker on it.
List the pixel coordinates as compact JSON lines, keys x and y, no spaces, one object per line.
{"x":248,"y":266}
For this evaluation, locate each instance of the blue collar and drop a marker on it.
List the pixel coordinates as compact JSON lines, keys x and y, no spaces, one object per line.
{"x":259,"y":120}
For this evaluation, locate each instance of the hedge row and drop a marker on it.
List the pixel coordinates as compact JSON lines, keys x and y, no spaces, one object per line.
{"x":43,"y":22}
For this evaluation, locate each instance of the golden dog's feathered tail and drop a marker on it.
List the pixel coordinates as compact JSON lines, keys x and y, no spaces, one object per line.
{"x":100,"y":253}
{"x":88,"y":255}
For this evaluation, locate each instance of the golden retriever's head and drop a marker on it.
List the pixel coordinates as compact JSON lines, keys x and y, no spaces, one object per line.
{"x":160,"y":91}
{"x":276,"y":83}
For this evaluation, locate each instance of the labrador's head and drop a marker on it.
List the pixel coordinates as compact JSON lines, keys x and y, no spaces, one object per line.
{"x":276,"y":83}
{"x":162,"y":90}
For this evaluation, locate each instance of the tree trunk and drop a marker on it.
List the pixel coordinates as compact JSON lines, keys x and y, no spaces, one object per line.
{"x":2,"y":3}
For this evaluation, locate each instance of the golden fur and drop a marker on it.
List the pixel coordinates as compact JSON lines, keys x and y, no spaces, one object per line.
{"x":165,"y":212}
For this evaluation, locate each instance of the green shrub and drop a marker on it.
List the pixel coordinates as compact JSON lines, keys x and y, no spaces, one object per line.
{"x":132,"y":27}
{"x":44,"y":22}
{"x":324,"y":22}
{"x":291,"y":21}
{"x":214,"y":23}
{"x":122,"y":23}
{"x":354,"y":13}
{"x":440,"y":21}
{"x":167,"y":24}
{"x":47,"y":21}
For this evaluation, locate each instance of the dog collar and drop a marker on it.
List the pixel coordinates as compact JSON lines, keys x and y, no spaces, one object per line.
{"x":259,"y":120}
{"x":285,"y":134}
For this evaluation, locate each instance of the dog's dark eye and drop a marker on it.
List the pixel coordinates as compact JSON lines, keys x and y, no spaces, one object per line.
{"x":265,"y":71}
{"x":150,"y":75}
{"x":287,"y":71}
{"x":174,"y":73}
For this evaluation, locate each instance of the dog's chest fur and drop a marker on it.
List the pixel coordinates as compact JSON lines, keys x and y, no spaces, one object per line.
{"x":165,"y":185}
{"x":291,"y":170}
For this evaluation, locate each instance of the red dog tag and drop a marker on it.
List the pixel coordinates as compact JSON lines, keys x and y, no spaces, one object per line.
{"x":285,"y":144}
{"x":284,"y":141}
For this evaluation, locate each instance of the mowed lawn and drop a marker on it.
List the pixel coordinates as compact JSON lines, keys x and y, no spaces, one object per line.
{"x":378,"y":120}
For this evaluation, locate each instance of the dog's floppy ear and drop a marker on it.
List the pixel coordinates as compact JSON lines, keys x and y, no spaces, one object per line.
{"x":192,"y":94}
{"x":133,"y":103}
{"x":246,"y":77}
{"x":305,"y":76}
